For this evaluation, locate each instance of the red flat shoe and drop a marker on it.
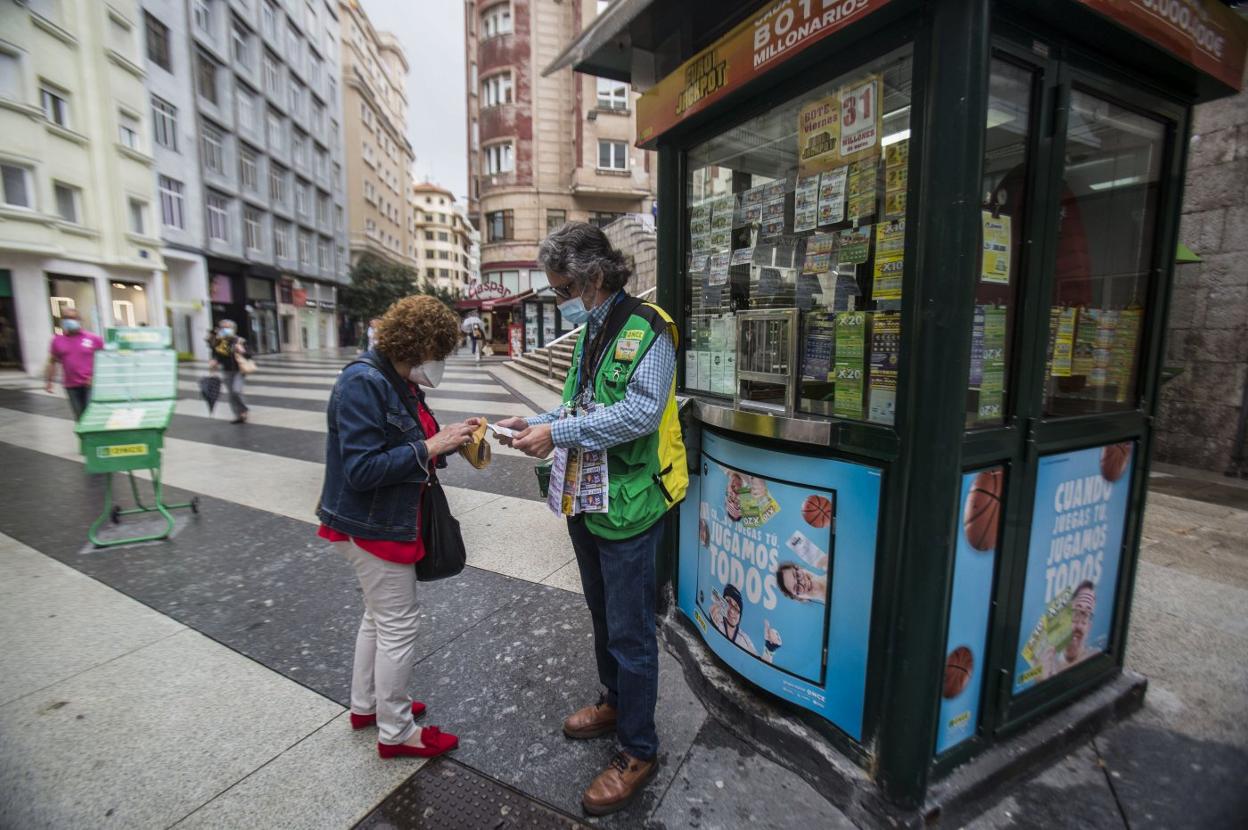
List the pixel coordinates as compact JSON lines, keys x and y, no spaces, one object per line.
{"x":436,"y":742}
{"x":365,"y":721}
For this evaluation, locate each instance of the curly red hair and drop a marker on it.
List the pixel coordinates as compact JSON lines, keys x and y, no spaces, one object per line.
{"x":417,"y":329}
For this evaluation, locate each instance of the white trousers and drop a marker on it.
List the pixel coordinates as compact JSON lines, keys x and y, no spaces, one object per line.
{"x":385,"y":647}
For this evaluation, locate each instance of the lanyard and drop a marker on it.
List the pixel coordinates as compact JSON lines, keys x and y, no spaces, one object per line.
{"x":595,"y":348}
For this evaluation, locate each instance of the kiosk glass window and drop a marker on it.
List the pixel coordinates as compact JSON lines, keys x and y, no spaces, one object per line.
{"x":1007,"y":137}
{"x":1105,"y":243}
{"x":795,"y":235}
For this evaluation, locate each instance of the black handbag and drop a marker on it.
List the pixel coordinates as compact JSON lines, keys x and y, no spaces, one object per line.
{"x":445,"y":554}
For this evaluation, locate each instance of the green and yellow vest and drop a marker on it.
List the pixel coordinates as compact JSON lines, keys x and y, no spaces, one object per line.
{"x":647,"y":476}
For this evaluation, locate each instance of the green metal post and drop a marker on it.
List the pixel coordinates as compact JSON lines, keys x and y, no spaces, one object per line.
{"x":952,"y":58}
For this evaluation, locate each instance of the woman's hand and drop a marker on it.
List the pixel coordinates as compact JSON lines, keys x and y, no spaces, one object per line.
{"x":514,"y":423}
{"x":451,"y":437}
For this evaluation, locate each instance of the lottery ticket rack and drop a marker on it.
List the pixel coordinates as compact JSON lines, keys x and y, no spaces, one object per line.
{"x":921,"y":253}
{"x":133,"y":395}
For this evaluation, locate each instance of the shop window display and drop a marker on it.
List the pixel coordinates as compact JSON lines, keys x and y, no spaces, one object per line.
{"x":796,"y":231}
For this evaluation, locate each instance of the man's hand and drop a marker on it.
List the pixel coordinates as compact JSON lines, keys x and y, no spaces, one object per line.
{"x":535,"y":441}
{"x":514,"y":423}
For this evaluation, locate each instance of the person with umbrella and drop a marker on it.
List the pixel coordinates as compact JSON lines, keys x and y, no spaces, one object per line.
{"x":472,"y":326}
{"x":226,"y":348}
{"x":210,"y":390}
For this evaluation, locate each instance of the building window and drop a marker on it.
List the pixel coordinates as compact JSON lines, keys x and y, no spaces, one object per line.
{"x":241,"y":40}
{"x":158,"y":43}
{"x":303,"y":199}
{"x":299,"y":148}
{"x":120,"y":36}
{"x":443,"y":237}
{"x":138,"y":216}
{"x":268,"y":21}
{"x":67,"y":201}
{"x":272,"y":74}
{"x":496,"y":90}
{"x":318,"y":117}
{"x":246,"y":109}
{"x":498,"y":226}
{"x":165,"y":123}
{"x":555,"y":219}
{"x":602,"y":219}
{"x":277,"y":185}
{"x":172,"y":208}
{"x":295,"y":98}
{"x":252,"y":230}
{"x":203,"y":15}
{"x":218,"y":217}
{"x":55,"y":107}
{"x":499,"y":158}
{"x":612,"y":95}
{"x":496,"y":20}
{"x":305,"y":249}
{"x":18,"y":191}
{"x":276,"y":134}
{"x":612,"y":155}
{"x":248,"y":170}
{"x":281,"y":239}
{"x":322,"y":209}
{"x":428,"y":236}
{"x":206,"y":76}
{"x":314,"y":71}
{"x":444,"y":254}
{"x":212,"y":145}
{"x":323,"y":254}
{"x":322,"y":164}
{"x":128,"y":130}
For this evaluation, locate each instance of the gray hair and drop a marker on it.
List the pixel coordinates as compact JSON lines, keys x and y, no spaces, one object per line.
{"x":582,"y":251}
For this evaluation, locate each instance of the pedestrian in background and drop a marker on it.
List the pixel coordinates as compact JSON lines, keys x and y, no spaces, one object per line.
{"x":378,"y":459}
{"x":74,"y":350}
{"x":371,"y":335}
{"x":227,"y":348}
{"x":619,"y":396}
{"x":478,"y":341}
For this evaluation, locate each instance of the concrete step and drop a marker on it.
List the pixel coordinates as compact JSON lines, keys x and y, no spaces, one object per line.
{"x":536,"y":362}
{"x":535,"y":375}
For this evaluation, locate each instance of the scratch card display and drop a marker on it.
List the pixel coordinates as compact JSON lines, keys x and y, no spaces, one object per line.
{"x":890,"y":242}
{"x":855,"y":244}
{"x":805,"y":204}
{"x":832,"y":196}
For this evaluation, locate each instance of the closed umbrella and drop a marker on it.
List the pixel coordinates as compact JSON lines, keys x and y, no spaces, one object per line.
{"x":210,"y":389}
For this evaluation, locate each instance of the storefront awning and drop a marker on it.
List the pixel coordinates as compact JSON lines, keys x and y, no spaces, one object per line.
{"x":505,"y":302}
{"x":468,"y":305}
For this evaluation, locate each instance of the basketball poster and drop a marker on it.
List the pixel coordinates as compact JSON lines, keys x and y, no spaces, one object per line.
{"x":777,"y":560}
{"x":969,"y":604}
{"x":1077,"y":531}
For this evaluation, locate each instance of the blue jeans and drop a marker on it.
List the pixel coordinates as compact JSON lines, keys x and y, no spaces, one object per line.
{"x":618,"y":580}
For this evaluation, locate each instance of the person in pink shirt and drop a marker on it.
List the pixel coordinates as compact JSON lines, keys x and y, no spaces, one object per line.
{"x":75,"y":352}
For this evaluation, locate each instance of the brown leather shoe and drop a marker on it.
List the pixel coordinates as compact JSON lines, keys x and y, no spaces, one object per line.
{"x":592,"y":721}
{"x":617,"y":785}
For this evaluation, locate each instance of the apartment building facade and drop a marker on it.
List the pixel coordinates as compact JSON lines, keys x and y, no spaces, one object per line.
{"x":441,"y":238}
{"x":379,"y":154}
{"x":77,"y":190}
{"x":542,"y":150}
{"x":245,"y":108}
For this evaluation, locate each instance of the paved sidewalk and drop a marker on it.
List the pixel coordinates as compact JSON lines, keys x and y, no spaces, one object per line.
{"x":204,"y":679}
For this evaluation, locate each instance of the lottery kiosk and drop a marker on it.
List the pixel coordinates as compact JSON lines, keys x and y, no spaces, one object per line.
{"x":921,"y":258}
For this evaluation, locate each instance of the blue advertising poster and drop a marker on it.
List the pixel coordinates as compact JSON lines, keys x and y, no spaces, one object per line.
{"x":969,"y":604}
{"x":1072,"y":560}
{"x":776,"y":568}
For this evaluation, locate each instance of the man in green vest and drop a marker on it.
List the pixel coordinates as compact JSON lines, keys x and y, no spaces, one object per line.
{"x":619,"y":397}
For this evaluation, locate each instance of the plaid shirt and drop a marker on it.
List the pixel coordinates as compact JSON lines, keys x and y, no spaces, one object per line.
{"x":637,"y":415}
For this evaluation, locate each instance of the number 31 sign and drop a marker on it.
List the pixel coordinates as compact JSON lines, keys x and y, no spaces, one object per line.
{"x":860,"y":120}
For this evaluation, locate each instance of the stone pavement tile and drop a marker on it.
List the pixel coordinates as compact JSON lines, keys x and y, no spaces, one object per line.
{"x":505,"y":687}
{"x":1171,"y":591}
{"x":517,"y":538}
{"x":55,"y":622}
{"x":1073,"y":792}
{"x":262,"y":584}
{"x":568,"y":578}
{"x":724,"y":785}
{"x":145,"y":739}
{"x":1169,"y":781}
{"x":332,"y":778}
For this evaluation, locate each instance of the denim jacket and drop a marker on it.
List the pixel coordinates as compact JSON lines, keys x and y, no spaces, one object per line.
{"x":375,"y":459}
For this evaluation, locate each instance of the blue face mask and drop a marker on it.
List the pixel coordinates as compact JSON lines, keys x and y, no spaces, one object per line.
{"x":71,"y":326}
{"x":227,"y":332}
{"x":574,"y":311}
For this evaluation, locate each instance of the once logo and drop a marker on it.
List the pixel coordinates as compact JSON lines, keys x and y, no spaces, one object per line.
{"x":117,"y":450}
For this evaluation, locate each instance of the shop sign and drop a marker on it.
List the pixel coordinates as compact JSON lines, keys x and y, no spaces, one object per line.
{"x":488,"y":291}
{"x":1202,"y":33}
{"x":1077,"y":529}
{"x":969,"y":604}
{"x":777,"y":33}
{"x":325,"y":305}
{"x":309,"y":303}
{"x":777,"y":558}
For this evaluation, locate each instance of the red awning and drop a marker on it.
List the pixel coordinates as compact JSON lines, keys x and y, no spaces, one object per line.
{"x":505,"y":302}
{"x":468,"y":305}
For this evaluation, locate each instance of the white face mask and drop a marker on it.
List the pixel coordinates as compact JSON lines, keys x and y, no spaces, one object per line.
{"x":428,"y":373}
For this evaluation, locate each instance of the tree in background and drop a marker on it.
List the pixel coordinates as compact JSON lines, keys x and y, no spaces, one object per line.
{"x":376,"y":283}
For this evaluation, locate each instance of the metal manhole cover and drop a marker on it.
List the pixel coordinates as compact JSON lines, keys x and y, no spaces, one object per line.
{"x":446,"y":795}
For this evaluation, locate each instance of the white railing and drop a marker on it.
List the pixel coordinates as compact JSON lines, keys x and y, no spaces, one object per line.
{"x":550,"y":359}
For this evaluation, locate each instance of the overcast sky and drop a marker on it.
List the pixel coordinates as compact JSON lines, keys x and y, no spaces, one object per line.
{"x":432,"y":34}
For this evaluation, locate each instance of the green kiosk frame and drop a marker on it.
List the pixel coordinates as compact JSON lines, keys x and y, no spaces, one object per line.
{"x":921,"y":254}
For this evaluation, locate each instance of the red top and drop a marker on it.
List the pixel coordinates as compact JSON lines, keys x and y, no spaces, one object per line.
{"x":402,"y":553}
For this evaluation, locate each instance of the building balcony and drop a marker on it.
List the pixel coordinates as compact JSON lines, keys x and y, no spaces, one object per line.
{"x":611,"y":184}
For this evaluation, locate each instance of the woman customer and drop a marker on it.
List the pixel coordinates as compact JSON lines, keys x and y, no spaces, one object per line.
{"x":378,"y":459}
{"x":226,"y":348}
